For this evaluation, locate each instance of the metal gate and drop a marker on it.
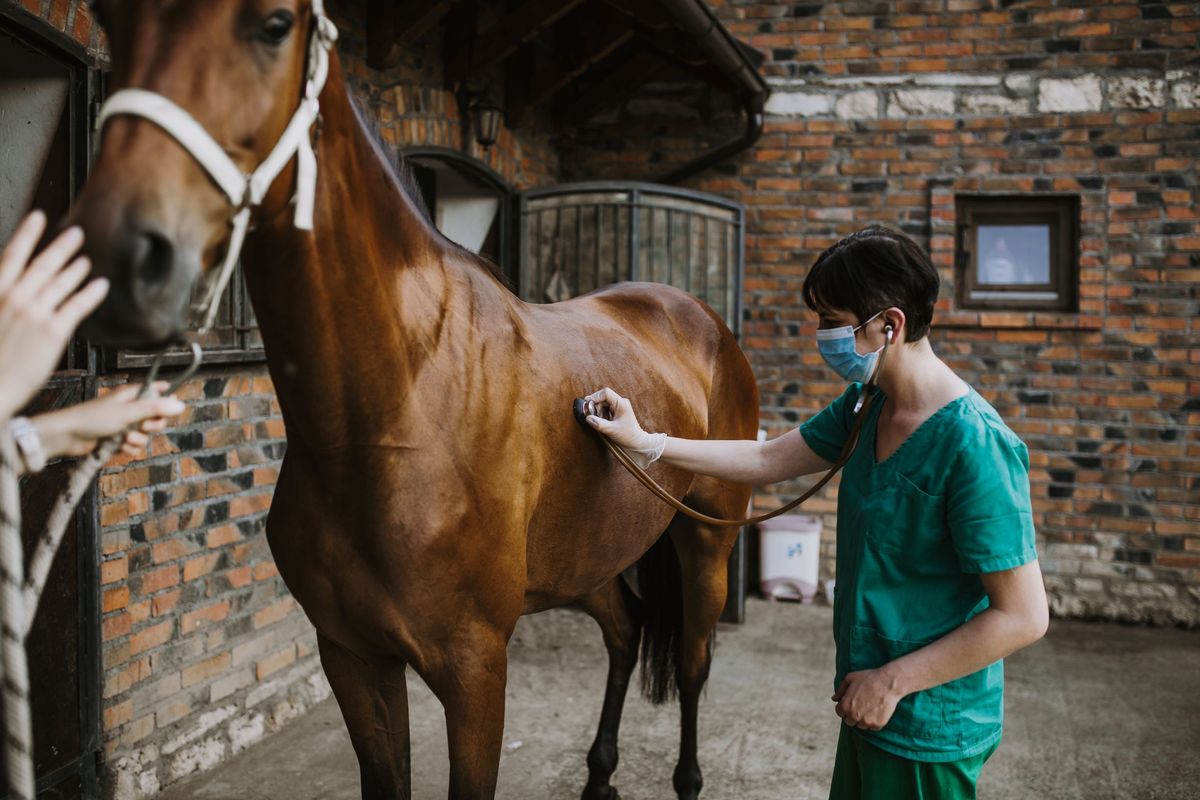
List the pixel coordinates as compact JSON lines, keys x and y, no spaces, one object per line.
{"x":578,"y":237}
{"x":574,"y":238}
{"x":45,"y":106}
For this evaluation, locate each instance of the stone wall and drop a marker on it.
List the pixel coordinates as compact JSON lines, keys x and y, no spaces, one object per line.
{"x":882,"y":112}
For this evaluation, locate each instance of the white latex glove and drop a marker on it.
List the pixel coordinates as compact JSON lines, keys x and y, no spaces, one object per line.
{"x":618,"y":422}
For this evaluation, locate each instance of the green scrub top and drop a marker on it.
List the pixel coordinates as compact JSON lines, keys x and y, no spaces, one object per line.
{"x":913,"y":535}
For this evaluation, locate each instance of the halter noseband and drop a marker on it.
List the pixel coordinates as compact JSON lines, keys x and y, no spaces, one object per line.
{"x":245,"y":192}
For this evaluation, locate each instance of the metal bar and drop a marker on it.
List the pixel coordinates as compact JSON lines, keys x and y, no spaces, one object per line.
{"x":741,"y":276}
{"x":578,"y":251}
{"x":634,"y":235}
{"x":670,"y":250}
{"x":688,"y":261}
{"x":596,"y":238}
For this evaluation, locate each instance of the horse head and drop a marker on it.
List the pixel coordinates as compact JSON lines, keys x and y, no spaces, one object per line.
{"x":157,"y":219}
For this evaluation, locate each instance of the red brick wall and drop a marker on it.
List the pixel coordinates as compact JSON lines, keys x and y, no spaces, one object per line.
{"x":411,"y":107}
{"x":204,"y":650}
{"x":880,"y":113}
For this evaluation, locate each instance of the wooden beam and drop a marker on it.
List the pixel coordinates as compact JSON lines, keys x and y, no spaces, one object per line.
{"x":638,"y":69}
{"x":530,"y":19}
{"x":564,"y":69}
{"x":393,"y":25}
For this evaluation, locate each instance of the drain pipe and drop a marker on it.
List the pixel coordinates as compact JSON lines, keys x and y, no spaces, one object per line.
{"x":697,"y":21}
{"x":752,"y":107}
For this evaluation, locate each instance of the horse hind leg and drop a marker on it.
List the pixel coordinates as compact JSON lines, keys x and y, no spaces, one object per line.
{"x":374,"y":702}
{"x":703,"y":552}
{"x":615,"y":608}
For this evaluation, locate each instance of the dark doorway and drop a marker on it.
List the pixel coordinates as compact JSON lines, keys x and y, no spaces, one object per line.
{"x":44,"y":110}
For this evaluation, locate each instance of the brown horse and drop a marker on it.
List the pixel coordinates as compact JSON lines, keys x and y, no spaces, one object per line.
{"x":436,"y":486}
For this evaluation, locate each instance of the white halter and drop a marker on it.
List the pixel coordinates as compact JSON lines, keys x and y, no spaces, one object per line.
{"x":244,"y":191}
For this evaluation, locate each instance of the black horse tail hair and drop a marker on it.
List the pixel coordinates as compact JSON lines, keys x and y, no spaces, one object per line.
{"x":661,"y":587}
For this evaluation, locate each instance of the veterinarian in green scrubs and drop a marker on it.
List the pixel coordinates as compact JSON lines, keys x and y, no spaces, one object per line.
{"x":937,"y":573}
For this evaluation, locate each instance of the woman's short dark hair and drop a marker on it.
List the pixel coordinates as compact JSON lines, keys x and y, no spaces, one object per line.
{"x":874,"y":269}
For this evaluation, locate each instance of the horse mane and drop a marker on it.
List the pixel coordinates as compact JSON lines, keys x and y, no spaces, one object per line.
{"x":402,"y":171}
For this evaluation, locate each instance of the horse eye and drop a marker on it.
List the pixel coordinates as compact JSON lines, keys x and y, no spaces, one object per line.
{"x":276,"y":28}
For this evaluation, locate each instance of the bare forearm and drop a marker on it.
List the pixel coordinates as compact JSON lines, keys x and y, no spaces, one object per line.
{"x":737,"y":460}
{"x":985,"y":639}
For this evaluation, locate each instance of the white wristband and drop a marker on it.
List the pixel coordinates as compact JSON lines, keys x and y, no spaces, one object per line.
{"x":29,"y":444}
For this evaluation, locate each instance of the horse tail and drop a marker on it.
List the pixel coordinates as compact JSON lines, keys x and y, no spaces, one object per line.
{"x":660,"y":584}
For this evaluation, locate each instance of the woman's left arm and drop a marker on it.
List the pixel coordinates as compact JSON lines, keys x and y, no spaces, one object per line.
{"x":1016,"y":616}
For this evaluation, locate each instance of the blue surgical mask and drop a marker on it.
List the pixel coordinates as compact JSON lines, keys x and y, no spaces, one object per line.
{"x":837,"y":347}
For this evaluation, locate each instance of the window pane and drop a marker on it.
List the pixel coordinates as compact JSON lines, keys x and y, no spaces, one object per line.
{"x":1014,"y":254}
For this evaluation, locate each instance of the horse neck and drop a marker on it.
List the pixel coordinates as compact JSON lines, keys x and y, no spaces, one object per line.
{"x":353,"y":312}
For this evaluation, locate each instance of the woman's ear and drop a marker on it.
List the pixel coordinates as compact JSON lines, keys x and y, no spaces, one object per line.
{"x":895,"y":318}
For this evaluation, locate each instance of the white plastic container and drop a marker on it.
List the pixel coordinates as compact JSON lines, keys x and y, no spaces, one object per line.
{"x":790,"y":555}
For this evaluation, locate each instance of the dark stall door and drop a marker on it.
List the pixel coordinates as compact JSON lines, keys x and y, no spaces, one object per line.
{"x":44,"y":109}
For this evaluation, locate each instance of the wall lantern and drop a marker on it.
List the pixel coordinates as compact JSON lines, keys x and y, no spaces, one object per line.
{"x":486,"y":118}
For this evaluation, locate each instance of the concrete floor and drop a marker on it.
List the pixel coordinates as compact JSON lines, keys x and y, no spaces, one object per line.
{"x":1093,"y":712}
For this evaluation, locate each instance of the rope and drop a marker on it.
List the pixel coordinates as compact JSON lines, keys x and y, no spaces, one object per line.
{"x":19,"y":595}
{"x":18,"y":727}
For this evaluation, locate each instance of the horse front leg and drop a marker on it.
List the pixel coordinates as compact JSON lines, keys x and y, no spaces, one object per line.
{"x":703,"y":555}
{"x":373,"y":698}
{"x":615,"y":609}
{"x":469,"y":676}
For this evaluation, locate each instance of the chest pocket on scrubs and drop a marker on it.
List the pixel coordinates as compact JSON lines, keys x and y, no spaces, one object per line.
{"x":929,"y":714}
{"x":908,"y":521}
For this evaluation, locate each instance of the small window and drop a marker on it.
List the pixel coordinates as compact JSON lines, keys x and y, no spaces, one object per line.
{"x":1018,"y":253}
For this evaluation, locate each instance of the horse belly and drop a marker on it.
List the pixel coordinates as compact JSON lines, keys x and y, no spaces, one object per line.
{"x":574,"y":548}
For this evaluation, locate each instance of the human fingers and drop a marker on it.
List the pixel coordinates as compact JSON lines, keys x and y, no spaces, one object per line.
{"x":152,"y":408}
{"x":83,"y":302}
{"x":841,"y":690}
{"x":135,"y":444}
{"x":20,"y":247}
{"x":65,"y":283}
{"x":156,"y":425}
{"x":601,"y":424}
{"x":50,"y":262}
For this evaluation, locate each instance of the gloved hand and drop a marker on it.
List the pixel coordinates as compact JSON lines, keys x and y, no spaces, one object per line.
{"x":618,"y":422}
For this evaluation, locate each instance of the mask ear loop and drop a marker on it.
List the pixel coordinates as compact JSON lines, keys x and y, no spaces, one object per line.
{"x":889,"y":333}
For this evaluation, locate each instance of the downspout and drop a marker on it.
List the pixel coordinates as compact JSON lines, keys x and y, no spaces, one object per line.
{"x":752,"y":107}
{"x":697,"y":21}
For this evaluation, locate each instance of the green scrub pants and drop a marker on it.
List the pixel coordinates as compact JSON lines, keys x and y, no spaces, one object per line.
{"x":864,"y":772}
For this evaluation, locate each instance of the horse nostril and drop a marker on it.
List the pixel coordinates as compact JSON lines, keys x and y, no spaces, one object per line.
{"x":152,"y":257}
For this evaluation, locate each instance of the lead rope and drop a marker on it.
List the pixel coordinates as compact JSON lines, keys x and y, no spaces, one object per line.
{"x":19,"y":594}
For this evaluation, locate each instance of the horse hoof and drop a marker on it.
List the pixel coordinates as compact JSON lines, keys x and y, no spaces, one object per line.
{"x":607,"y":793}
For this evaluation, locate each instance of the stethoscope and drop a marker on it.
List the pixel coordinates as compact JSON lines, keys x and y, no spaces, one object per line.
{"x":862,"y":408}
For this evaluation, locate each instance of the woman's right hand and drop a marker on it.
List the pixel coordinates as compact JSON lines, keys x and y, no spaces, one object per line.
{"x":39,"y":307}
{"x":617,"y":421}
{"x":76,"y":430}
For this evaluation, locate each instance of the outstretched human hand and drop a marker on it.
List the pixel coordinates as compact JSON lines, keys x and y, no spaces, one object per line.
{"x":39,"y":307}
{"x":618,"y":422}
{"x":76,"y":430}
